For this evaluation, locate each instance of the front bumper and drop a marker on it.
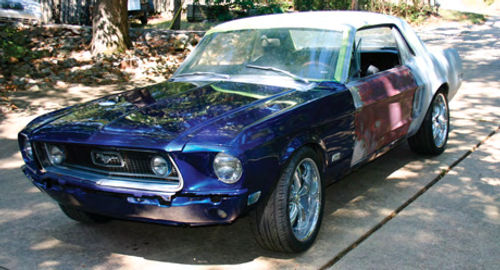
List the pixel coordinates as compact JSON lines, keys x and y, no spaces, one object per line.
{"x":142,"y":205}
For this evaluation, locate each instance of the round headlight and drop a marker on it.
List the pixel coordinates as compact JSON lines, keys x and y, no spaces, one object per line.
{"x":160,"y":166}
{"x":56,"y":154}
{"x":28,"y":150}
{"x":227,"y":168}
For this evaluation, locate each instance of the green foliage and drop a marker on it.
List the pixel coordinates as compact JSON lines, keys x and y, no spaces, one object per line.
{"x":270,"y":8}
{"x":12,"y":43}
{"x":224,"y":10}
{"x":14,"y":46}
{"x":415,"y":12}
{"x":303,"y":5}
{"x":462,"y":16}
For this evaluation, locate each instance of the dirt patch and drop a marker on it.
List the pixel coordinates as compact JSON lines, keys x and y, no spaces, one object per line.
{"x":55,"y":60}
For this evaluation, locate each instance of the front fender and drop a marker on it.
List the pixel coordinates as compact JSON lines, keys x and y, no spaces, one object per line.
{"x":300,"y":141}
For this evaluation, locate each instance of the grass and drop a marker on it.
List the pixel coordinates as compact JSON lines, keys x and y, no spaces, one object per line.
{"x":453,"y":15}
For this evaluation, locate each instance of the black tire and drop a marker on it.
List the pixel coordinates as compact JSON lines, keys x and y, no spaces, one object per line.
{"x":270,"y":222}
{"x":423,"y":141}
{"x":82,"y":216}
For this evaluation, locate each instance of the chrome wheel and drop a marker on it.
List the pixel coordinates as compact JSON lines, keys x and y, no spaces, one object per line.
{"x":439,"y":120}
{"x":304,"y":199}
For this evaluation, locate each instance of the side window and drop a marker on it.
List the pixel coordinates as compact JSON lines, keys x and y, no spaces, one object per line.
{"x":376,"y":49}
{"x":376,"y":38}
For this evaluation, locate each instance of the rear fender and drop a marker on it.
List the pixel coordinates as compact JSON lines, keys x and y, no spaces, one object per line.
{"x":450,"y":67}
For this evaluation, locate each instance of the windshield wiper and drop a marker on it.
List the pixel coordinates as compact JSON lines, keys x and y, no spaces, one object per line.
{"x":198,"y":73}
{"x":289,"y":74}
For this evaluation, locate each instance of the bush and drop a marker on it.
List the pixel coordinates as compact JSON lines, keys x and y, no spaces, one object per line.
{"x":224,"y":10}
{"x":14,"y":47}
{"x":304,"y":5}
{"x":413,"y":12}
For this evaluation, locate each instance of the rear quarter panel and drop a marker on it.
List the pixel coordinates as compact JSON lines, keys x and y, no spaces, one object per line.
{"x":449,"y":66}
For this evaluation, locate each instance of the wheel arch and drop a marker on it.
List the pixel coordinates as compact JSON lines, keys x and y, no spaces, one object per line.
{"x":304,"y":140}
{"x":417,"y":122}
{"x":443,"y":88}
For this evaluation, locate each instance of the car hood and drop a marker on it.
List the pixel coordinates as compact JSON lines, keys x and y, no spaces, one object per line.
{"x":177,"y":111}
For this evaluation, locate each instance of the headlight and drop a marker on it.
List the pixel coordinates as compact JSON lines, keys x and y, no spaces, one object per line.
{"x":56,"y":154}
{"x":28,"y":150}
{"x":227,"y":168}
{"x":160,"y":166}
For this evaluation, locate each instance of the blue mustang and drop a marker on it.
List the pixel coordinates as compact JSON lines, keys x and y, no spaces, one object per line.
{"x":257,"y":120}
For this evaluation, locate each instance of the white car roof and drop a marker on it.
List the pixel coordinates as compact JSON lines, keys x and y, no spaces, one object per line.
{"x":328,"y":20}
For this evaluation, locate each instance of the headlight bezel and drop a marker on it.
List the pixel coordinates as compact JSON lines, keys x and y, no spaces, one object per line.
{"x":159,"y":159}
{"x":227,"y":168}
{"x":50,"y":155}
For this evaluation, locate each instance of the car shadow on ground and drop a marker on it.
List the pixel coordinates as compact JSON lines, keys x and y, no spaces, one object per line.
{"x":224,"y":244}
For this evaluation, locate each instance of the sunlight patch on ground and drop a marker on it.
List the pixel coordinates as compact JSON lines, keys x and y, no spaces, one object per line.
{"x":424,"y":214}
{"x":491,"y":181}
{"x":49,"y":264}
{"x":8,"y":215}
{"x":120,"y":261}
{"x":385,"y":211}
{"x":13,"y":162}
{"x":402,"y":175}
{"x":492,"y":213}
{"x":360,"y":213}
{"x":47,"y":244}
{"x":12,"y":125}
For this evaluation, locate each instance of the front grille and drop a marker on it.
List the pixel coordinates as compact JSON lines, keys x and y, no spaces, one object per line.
{"x":136,"y":163}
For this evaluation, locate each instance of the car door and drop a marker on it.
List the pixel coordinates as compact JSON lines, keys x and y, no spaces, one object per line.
{"x":383,"y":90}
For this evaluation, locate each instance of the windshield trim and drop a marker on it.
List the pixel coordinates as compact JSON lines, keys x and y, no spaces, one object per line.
{"x":250,"y":26}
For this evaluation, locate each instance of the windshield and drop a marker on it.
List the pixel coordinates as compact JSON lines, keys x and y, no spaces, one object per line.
{"x":304,"y":53}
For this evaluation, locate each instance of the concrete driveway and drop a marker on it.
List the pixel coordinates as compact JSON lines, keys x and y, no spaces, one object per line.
{"x":396,"y":212}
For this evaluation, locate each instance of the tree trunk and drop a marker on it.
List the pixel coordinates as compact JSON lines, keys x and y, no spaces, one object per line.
{"x":176,"y":25}
{"x":110,"y":27}
{"x":75,"y":11}
{"x":354,"y":5}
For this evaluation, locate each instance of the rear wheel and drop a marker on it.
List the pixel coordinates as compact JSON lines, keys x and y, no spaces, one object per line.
{"x":82,"y":216}
{"x":432,"y":136}
{"x":290,"y":220}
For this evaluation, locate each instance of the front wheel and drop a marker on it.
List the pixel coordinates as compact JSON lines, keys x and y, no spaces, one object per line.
{"x":290,"y":219}
{"x":432,"y":136}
